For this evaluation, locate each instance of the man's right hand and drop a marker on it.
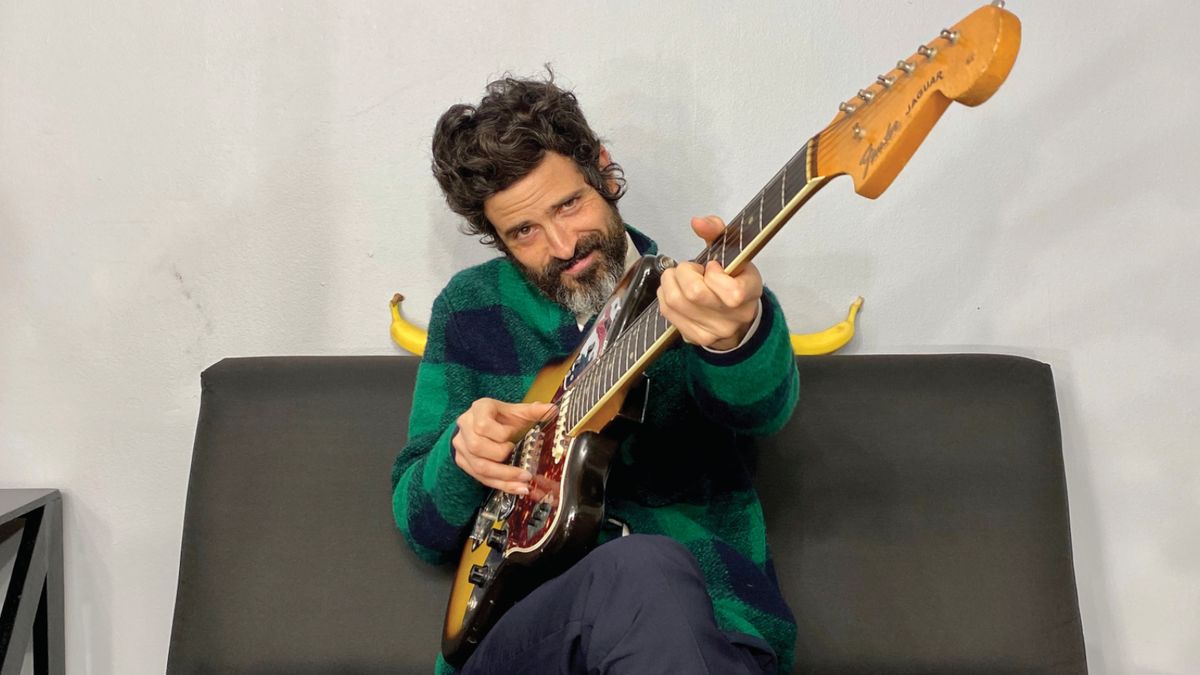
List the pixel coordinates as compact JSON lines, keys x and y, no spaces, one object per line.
{"x":483,"y":442}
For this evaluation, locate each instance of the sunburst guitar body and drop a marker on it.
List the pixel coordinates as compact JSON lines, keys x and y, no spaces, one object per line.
{"x":518,"y":542}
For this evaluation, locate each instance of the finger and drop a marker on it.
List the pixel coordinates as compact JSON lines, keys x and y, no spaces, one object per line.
{"x":472,"y":443}
{"x":511,"y":479}
{"x":496,"y":451}
{"x":520,"y":414}
{"x":691,"y":323}
{"x":688,"y":282}
{"x":708,"y":228}
{"x":490,"y":428}
{"x":733,"y":292}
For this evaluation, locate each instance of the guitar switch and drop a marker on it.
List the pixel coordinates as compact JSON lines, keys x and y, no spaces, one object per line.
{"x":497,"y":538}
{"x":479,"y":575}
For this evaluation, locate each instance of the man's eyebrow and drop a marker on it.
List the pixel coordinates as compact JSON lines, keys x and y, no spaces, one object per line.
{"x":504,"y":232}
{"x":574,"y":195}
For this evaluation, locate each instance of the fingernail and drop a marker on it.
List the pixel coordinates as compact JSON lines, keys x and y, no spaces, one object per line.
{"x":523,"y":490}
{"x":526,"y":476}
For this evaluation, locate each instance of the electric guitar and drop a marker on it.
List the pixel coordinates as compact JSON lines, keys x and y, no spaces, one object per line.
{"x":517,"y":542}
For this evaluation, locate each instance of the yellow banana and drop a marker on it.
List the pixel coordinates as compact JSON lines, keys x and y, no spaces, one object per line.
{"x":404,"y":333}
{"x":829,"y":340}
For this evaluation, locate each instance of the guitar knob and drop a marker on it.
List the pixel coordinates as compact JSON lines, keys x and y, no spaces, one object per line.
{"x":479,"y":575}
{"x":497,"y":538}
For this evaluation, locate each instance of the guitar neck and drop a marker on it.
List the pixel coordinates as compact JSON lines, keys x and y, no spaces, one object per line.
{"x":650,"y":333}
{"x":767,"y":212}
{"x":871,"y":139}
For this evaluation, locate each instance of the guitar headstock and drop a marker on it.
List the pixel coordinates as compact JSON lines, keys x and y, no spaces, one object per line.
{"x":876,"y":132}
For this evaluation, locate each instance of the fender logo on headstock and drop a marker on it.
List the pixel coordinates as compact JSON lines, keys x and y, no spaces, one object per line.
{"x":933,"y":79}
{"x":872,"y":153}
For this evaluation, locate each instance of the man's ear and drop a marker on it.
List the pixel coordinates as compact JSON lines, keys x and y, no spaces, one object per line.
{"x":604,"y":161}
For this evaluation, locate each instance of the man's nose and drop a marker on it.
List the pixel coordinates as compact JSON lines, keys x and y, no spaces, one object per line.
{"x":561,"y":241}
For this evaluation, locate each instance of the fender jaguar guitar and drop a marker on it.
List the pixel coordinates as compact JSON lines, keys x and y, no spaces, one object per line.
{"x":519,"y":541}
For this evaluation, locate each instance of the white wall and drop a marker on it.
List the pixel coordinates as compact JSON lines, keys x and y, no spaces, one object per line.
{"x":181,"y":182}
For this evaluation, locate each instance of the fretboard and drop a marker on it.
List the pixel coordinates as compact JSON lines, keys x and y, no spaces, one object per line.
{"x":650,"y":333}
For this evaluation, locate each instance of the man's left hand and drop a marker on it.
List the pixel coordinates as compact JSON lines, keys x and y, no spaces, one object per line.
{"x":709,"y":307}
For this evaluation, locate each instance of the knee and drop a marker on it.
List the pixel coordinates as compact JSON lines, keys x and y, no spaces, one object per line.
{"x":654,"y":577}
{"x":648,"y":557}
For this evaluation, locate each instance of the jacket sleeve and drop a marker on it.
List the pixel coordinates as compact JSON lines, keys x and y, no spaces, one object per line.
{"x":752,"y":389}
{"x":433,"y":499}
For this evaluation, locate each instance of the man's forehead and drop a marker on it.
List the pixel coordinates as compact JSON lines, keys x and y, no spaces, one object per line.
{"x":554,"y":179}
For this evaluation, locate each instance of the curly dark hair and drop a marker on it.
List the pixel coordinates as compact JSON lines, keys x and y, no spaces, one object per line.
{"x":481,"y":150}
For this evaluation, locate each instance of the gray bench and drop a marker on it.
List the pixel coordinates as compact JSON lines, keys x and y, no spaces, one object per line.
{"x":916,"y":508}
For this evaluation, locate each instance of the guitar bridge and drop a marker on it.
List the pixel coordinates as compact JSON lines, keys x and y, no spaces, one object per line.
{"x":497,"y":507}
{"x":559,"y":447}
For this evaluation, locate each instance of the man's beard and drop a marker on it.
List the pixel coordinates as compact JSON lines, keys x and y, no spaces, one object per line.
{"x":586,"y":293}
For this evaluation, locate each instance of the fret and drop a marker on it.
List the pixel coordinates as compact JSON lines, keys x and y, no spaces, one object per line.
{"x":722,"y":259}
{"x":772,"y":201}
{"x":597,"y":391}
{"x":733,"y":248}
{"x":628,"y":355}
{"x":750,"y":221}
{"x":783,"y":189}
{"x":762,"y":197}
{"x":611,"y":376}
{"x":602,"y":370}
{"x":738,"y":222}
{"x":797,"y":166}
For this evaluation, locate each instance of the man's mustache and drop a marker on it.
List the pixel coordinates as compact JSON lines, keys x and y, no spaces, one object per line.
{"x":583,"y":249}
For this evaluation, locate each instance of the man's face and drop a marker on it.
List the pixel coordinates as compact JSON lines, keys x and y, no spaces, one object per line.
{"x":565,"y":237}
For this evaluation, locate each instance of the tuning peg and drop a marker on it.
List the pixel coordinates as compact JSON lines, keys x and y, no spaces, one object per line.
{"x":905,"y":66}
{"x":950,"y":35}
{"x":927,"y":52}
{"x":865,"y":95}
{"x":885,"y":81}
{"x":847,"y":108}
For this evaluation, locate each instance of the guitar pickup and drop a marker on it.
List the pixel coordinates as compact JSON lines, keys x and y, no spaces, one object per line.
{"x":537,"y":517}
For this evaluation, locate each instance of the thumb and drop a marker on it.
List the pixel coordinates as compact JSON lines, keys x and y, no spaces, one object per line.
{"x":708,"y":228}
{"x":527,"y":412}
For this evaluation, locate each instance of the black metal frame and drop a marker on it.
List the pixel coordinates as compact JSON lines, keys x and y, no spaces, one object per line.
{"x":33,"y":605}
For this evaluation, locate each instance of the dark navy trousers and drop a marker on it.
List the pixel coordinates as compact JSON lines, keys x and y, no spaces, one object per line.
{"x":633,"y":605}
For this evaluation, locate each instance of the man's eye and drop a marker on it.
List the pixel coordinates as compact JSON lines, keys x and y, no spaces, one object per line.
{"x":524,"y":231}
{"x":570,"y":202}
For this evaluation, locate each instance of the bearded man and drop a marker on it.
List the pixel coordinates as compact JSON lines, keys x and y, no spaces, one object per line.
{"x":691,"y":587}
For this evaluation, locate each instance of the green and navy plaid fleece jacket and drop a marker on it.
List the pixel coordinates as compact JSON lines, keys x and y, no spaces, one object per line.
{"x":685,"y":473}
